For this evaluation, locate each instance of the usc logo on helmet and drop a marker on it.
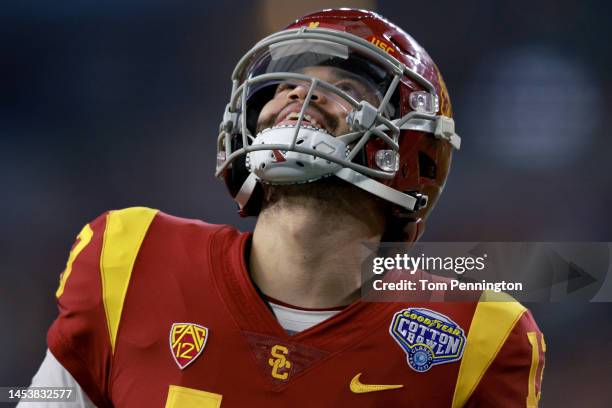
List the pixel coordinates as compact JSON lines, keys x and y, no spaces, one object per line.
{"x":382,"y":45}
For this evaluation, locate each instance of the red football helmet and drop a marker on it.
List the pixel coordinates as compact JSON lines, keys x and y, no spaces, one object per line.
{"x":399,"y":133}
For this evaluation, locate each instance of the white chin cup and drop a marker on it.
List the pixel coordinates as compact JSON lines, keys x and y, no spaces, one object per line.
{"x":284,"y":166}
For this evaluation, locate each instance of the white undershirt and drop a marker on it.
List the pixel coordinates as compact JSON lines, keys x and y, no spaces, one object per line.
{"x":297,"y":320}
{"x":52,"y":374}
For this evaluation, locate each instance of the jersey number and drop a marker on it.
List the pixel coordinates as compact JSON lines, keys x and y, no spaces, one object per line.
{"x":533,"y":395}
{"x":82,"y":240}
{"x":183,"y":397}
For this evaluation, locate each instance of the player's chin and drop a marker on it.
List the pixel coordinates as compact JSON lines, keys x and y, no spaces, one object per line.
{"x":329,"y":193}
{"x":327,"y":188}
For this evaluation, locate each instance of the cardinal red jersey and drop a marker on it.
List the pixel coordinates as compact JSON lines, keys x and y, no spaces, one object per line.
{"x":158,"y":311}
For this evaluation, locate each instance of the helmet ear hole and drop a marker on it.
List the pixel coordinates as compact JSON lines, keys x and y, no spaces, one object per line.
{"x":427,"y":166}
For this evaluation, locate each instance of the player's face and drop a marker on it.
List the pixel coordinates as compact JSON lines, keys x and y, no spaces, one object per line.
{"x":326,"y":110}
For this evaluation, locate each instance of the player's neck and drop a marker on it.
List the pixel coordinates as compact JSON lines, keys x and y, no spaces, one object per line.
{"x":309,"y":260}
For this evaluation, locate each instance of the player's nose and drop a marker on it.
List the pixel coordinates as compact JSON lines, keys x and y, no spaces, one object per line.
{"x":301,"y":91}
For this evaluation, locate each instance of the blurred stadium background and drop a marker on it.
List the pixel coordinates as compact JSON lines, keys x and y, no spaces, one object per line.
{"x":112,"y":104}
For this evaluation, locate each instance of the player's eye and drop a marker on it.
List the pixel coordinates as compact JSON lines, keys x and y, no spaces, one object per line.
{"x":351,"y":88}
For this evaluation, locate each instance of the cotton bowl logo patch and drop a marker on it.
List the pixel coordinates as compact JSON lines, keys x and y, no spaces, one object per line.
{"x":187,"y":341}
{"x":427,"y":337}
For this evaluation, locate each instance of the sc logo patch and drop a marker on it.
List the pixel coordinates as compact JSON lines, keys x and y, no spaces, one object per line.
{"x":279,"y":362}
{"x":428,"y":338}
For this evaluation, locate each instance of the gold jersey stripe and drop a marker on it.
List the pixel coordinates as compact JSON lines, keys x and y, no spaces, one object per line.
{"x":125,"y":230}
{"x":494,"y":318}
{"x":183,"y":397}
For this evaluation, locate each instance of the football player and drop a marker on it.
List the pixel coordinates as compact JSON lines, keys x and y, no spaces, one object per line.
{"x":338,"y":131}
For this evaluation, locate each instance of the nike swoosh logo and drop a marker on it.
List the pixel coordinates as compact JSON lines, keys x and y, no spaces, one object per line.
{"x":359,"y":388}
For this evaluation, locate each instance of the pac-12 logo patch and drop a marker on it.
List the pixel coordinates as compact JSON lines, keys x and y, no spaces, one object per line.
{"x":187,"y":341}
{"x":427,"y":337}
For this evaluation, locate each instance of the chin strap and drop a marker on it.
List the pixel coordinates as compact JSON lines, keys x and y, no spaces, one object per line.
{"x":407,"y":201}
{"x":245,"y":192}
